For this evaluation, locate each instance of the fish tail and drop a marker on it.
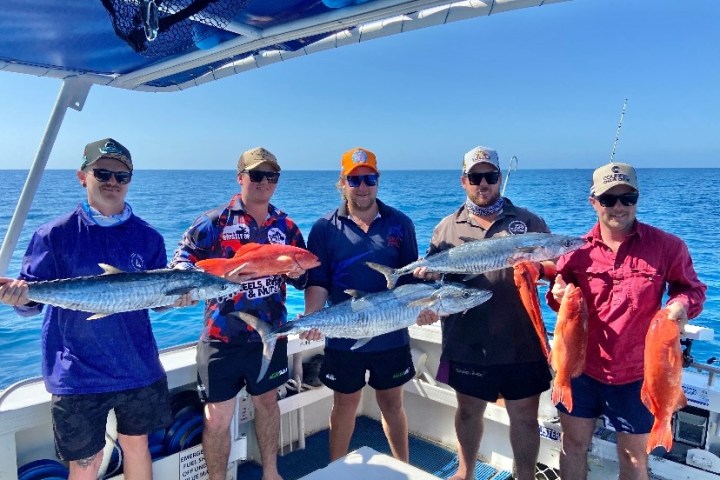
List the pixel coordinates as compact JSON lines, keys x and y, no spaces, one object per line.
{"x":660,"y":436}
{"x":386,"y":272}
{"x":265,"y":335}
{"x":563,"y":394}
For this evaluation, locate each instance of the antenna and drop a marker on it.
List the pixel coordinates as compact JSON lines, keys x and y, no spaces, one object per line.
{"x":513,"y":166}
{"x":617,"y":133}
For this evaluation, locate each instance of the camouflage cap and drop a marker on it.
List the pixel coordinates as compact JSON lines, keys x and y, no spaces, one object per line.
{"x":106,"y":148}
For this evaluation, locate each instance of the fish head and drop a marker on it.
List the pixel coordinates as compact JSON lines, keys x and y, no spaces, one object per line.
{"x":306,"y":260}
{"x":211,"y":286}
{"x":455,"y":297}
{"x":555,"y":246}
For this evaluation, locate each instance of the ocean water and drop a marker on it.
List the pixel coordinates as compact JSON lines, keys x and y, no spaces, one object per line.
{"x":683,"y":202}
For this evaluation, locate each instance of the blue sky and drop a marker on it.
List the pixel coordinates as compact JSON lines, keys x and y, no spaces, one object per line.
{"x":545,"y":84}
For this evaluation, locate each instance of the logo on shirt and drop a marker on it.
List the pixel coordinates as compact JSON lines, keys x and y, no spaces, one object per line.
{"x":517,"y":227}
{"x":394,"y":237}
{"x":236,"y":232}
{"x":275,"y":235}
{"x":137,"y":262}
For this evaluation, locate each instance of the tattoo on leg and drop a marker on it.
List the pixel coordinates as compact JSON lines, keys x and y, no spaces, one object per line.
{"x":86,"y":462}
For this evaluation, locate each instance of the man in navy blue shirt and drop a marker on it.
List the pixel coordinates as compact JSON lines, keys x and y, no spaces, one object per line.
{"x":362,"y":229}
{"x":93,"y":366}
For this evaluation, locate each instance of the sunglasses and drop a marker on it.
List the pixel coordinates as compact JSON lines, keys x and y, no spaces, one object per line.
{"x":103,"y":176}
{"x":256,"y":176}
{"x":628,"y":199}
{"x":490,"y":177}
{"x":355,"y":180}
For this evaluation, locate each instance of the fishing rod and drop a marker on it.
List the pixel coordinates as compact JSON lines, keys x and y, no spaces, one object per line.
{"x":617,"y":132}
{"x":513,"y":166}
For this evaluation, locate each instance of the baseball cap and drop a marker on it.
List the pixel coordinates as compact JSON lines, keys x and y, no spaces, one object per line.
{"x":254,"y":157}
{"x":357,"y":157}
{"x":106,"y":148}
{"x":480,"y":155}
{"x":612,"y":174}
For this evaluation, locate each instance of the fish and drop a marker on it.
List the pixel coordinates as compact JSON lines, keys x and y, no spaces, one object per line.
{"x":526,"y":276}
{"x":661,"y":390}
{"x":262,"y":260}
{"x":475,"y":257}
{"x":365,"y":316}
{"x":569,"y":345}
{"x":116,"y":291}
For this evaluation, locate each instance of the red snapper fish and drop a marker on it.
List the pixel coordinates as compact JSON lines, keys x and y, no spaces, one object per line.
{"x":262,"y":260}
{"x":662,"y":391}
{"x":526,"y":276}
{"x":569,"y":345}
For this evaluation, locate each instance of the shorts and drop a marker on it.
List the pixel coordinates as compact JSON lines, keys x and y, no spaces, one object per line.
{"x":343,"y":371}
{"x":490,"y":382}
{"x":223,"y":369}
{"x":619,"y":404}
{"x":79,"y":421}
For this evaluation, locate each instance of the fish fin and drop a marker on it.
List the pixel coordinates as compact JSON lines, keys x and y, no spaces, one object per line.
{"x":387,"y":272}
{"x":355,"y":293}
{"x":213,"y":266}
{"x":563,"y":394}
{"x":360,"y":343}
{"x":246,"y":248}
{"x":660,"y":436}
{"x":472,"y":276}
{"x":422,"y":302}
{"x":97,"y":316}
{"x":469,"y":239}
{"x":179,"y":291}
{"x":109,"y":269}
{"x":265,"y":335}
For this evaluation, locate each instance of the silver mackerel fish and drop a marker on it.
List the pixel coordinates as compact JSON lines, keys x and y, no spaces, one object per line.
{"x":116,"y":291}
{"x":364,"y":317}
{"x":480,"y":256}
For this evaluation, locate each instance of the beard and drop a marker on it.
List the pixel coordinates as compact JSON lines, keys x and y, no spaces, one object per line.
{"x":482,"y":200}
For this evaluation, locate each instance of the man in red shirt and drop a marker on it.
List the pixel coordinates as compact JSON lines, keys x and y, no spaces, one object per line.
{"x":623,"y":272}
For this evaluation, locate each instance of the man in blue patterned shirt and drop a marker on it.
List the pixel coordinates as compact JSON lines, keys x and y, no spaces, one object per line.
{"x":229,"y":352}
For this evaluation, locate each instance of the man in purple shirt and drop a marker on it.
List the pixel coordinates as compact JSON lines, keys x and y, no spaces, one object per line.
{"x":623,"y":272}
{"x":93,"y":366}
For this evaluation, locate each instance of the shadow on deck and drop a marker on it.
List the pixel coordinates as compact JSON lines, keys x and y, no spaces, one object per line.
{"x":425,"y":455}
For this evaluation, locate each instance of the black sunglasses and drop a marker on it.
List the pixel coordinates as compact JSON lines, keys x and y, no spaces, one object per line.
{"x":490,"y":177}
{"x":256,"y":176}
{"x":628,"y":199}
{"x":355,"y":180}
{"x":103,"y":176}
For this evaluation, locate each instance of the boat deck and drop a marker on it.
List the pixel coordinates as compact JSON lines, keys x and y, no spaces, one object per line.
{"x":426,"y":455}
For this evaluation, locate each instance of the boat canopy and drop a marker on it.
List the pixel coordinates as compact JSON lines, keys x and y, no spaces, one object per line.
{"x":166,"y":45}
{"x":171,"y":45}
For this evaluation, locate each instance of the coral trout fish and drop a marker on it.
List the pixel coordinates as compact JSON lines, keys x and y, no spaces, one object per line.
{"x":569,"y":345}
{"x":262,"y":260}
{"x":475,"y":257}
{"x":116,"y":291}
{"x":364,"y":317}
{"x":526,"y":276}
{"x":662,"y":391}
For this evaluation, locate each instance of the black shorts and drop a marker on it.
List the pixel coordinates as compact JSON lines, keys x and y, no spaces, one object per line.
{"x":344,"y":370}
{"x":512,"y":382}
{"x":619,"y":404}
{"x":223,"y":369}
{"x":79,"y":420}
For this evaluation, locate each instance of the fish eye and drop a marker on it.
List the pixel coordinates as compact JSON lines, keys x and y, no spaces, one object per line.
{"x":466,"y":294}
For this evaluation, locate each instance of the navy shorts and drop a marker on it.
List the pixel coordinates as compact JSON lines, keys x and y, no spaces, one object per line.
{"x":223,"y":369}
{"x":619,"y":404}
{"x":79,"y":420}
{"x":490,"y":382}
{"x":344,"y":370}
